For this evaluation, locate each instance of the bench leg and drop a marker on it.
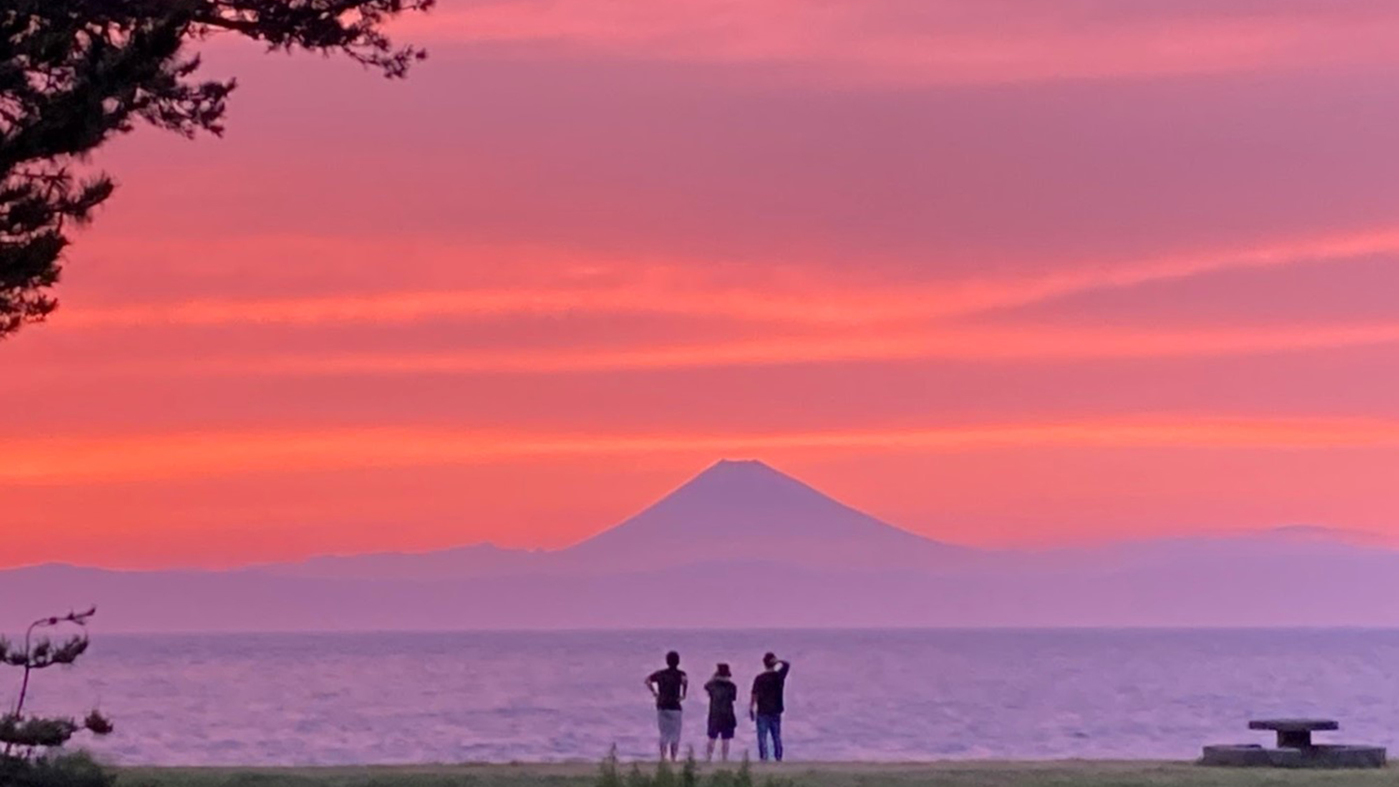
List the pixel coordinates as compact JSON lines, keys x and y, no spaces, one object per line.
{"x":1294,"y":739}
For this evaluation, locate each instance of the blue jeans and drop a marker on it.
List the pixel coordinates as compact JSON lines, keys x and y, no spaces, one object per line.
{"x":769,"y":725}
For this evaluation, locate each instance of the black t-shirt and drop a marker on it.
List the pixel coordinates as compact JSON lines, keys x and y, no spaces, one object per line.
{"x":767,"y":688}
{"x":668,"y":682}
{"x":722,"y":694}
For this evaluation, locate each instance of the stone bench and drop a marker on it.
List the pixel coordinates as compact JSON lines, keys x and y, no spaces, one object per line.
{"x":1295,"y":749}
{"x":1325,"y":756}
{"x":1294,"y":733}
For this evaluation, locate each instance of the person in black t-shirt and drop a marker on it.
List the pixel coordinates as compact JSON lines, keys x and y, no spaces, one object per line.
{"x":722,"y":721}
{"x":669,"y":686}
{"x":766,"y":705}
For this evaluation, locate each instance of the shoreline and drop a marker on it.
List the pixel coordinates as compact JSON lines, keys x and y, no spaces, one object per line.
{"x":579,"y":767}
{"x":944,"y":773}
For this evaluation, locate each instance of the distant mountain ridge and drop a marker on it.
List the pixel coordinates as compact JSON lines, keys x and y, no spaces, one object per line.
{"x":733,"y":511}
{"x":744,"y":545}
{"x":453,"y":563}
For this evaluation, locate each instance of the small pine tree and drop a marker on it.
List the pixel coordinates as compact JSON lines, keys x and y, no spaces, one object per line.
{"x":24,"y":736}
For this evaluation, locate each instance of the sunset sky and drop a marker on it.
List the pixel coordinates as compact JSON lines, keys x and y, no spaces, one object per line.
{"x":1002,"y":273}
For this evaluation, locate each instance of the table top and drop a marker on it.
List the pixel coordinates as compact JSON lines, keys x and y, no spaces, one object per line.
{"x":1294,"y":725}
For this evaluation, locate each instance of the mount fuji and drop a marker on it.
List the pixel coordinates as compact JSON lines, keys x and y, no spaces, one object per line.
{"x":747,"y":511}
{"x":744,"y":545}
{"x":736,"y":511}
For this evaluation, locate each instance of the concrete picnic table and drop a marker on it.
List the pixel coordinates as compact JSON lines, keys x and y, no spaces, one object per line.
{"x":1294,"y":733}
{"x":1295,"y":748}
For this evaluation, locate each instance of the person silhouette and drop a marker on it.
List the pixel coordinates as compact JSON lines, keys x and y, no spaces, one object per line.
{"x":722,"y":721}
{"x":669,"y":686}
{"x":766,"y":705}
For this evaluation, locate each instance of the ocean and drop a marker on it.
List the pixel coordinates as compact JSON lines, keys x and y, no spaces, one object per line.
{"x":302,"y":699}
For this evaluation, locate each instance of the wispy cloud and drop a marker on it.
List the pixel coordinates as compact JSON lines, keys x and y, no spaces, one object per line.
{"x":929,"y":42}
{"x":158,"y":457}
{"x":1029,"y":343}
{"x":795,"y":296}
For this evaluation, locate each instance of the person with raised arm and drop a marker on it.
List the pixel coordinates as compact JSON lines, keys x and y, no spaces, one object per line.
{"x":766,"y":705}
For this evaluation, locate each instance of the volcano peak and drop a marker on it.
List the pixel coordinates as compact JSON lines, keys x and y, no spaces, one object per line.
{"x":745,"y":509}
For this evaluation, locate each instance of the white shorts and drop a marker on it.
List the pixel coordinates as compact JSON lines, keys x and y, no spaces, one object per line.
{"x":669,"y":723}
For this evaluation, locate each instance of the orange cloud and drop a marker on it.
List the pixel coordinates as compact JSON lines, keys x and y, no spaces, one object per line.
{"x":69,"y":460}
{"x":788,"y":295}
{"x":1023,"y":343}
{"x":925,"y":42}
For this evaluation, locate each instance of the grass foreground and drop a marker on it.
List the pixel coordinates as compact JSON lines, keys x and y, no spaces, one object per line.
{"x":1067,"y":773}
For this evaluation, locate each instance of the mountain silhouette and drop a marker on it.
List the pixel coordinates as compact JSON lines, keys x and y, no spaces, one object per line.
{"x":747,"y":511}
{"x":735,"y":511}
{"x":477,"y":560}
{"x":744,"y":545}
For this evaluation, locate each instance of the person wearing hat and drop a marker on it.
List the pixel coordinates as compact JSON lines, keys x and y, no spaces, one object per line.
{"x":722,"y":721}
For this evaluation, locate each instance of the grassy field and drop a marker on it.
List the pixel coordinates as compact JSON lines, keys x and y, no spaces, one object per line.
{"x":950,"y":774}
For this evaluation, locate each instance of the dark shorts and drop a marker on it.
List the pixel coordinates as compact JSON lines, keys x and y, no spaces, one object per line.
{"x":722,"y":728}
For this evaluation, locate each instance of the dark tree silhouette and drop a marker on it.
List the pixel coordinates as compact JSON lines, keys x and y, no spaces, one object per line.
{"x":76,"y":73}
{"x":23,"y":734}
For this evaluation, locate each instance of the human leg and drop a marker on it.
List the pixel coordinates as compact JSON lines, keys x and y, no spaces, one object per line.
{"x":670,"y":726}
{"x":662,"y":731}
{"x":775,"y":729}
{"x":763,"y":730}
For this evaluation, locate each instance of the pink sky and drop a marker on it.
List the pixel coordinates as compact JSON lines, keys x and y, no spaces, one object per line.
{"x":1003,"y":273}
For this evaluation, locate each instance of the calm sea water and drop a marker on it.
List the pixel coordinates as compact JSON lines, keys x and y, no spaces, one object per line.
{"x":891,"y":695}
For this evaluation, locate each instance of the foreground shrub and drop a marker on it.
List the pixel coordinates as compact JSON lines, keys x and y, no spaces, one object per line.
{"x":74,"y":769}
{"x":610,"y":775}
